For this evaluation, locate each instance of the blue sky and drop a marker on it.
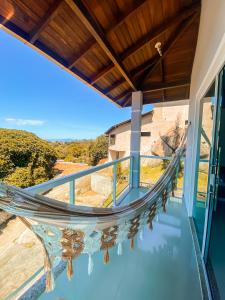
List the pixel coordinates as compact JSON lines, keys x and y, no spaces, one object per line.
{"x":38,"y":96}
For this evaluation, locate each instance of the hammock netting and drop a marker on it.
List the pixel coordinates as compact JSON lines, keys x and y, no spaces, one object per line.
{"x":66,"y":231}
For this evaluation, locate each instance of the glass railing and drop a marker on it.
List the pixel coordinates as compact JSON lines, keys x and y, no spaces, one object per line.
{"x":152,"y":167}
{"x":99,"y":186}
{"x":104,"y":185}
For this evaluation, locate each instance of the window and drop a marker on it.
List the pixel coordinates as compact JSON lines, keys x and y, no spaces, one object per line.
{"x":145,"y":133}
{"x":112,"y":139}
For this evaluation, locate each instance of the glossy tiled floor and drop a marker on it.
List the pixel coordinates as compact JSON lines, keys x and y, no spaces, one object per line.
{"x":162,"y":266}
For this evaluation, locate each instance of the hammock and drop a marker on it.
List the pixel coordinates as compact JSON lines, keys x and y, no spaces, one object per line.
{"x":67,"y":231}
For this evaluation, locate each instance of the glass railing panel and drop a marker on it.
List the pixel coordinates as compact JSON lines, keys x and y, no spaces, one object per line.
{"x":60,"y":193}
{"x":153,"y":167}
{"x":202,"y":183}
{"x":122,"y":179}
{"x":94,"y":189}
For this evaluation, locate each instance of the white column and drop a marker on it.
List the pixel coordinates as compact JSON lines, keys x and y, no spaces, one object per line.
{"x":137,"y":100}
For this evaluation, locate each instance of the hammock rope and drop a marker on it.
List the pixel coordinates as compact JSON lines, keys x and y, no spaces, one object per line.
{"x":67,"y":231}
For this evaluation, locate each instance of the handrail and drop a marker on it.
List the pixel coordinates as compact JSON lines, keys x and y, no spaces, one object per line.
{"x":169,"y":158}
{"x":45,"y":186}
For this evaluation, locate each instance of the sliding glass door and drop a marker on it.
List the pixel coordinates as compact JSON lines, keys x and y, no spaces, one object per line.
{"x":205,"y":137}
{"x":209,"y":202}
{"x":214,"y":242}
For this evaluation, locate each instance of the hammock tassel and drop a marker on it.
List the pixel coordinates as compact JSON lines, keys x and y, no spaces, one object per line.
{"x":106,"y":256}
{"x":150,"y":225}
{"x":47,"y":263}
{"x":69,"y":268}
{"x":49,"y":282}
{"x":141,"y":235}
{"x":119,"y":249}
{"x":132,"y":244}
{"x":90,"y":264}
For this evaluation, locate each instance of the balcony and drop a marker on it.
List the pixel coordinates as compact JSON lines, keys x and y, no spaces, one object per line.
{"x":161,"y":258}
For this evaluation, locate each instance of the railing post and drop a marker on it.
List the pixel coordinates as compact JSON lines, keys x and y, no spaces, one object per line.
{"x":137,"y":99}
{"x":131,"y":173}
{"x":114,"y":184}
{"x":72,"y":192}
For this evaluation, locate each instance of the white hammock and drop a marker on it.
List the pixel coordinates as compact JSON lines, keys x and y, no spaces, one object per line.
{"x":67,"y":231}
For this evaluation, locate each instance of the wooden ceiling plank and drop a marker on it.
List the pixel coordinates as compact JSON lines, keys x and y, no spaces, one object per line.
{"x":113,"y":86}
{"x":118,"y":21}
{"x":96,"y":31}
{"x":127,"y":100}
{"x":123,"y":94}
{"x":165,"y":50}
{"x":150,"y":36}
{"x":81,"y":53}
{"x":123,"y":17}
{"x":51,"y":13}
{"x":102,"y":73}
{"x":162,"y":78}
{"x":166,"y":86}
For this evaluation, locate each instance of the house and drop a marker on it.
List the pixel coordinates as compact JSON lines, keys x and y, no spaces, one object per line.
{"x":135,"y":53}
{"x":154,"y":124}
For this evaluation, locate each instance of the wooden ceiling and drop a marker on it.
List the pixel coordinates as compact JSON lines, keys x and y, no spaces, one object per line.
{"x":110,"y":44}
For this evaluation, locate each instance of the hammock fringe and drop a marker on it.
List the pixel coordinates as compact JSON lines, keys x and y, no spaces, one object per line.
{"x":106,"y":256}
{"x":49,"y":282}
{"x":70,"y":268}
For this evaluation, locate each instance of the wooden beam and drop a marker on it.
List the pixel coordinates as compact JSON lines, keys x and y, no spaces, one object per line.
{"x":113,"y":26}
{"x":150,"y":36}
{"x":102,"y":73}
{"x":113,"y":86}
{"x":153,"y":87}
{"x":153,"y":34}
{"x":81,"y":53}
{"x":127,"y":100}
{"x":165,"y":50}
{"x":135,"y":72}
{"x":123,"y":94}
{"x":51,"y":13}
{"x":97,"y":32}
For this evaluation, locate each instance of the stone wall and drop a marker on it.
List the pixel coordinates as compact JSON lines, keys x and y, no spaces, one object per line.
{"x":101,"y":184}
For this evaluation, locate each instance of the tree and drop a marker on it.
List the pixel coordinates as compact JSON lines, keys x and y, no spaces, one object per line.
{"x":25,"y":159}
{"x":98,"y":150}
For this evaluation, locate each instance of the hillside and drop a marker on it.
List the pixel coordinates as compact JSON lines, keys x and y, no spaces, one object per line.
{"x":25,"y":159}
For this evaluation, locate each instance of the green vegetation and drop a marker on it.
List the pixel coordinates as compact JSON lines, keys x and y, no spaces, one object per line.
{"x":86,"y":151}
{"x":77,"y":151}
{"x":25,"y":159}
{"x":98,"y":150}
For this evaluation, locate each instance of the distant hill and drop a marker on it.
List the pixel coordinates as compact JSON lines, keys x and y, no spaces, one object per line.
{"x":62,"y":140}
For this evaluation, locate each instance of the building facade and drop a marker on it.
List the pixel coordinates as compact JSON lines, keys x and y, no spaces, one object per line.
{"x":155,"y":124}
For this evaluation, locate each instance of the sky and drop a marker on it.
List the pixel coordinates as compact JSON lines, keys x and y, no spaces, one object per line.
{"x":38,"y":96}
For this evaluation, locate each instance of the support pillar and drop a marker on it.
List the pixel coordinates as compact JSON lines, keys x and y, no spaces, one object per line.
{"x":137,"y":100}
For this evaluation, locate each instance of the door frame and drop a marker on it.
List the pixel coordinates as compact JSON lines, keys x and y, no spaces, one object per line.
{"x":211,"y":189}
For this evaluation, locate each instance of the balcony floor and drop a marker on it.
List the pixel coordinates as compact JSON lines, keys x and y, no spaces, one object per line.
{"x":162,"y":266}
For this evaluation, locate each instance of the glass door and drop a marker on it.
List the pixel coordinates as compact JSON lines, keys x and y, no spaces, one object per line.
{"x":205,"y":137}
{"x":214,"y":242}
